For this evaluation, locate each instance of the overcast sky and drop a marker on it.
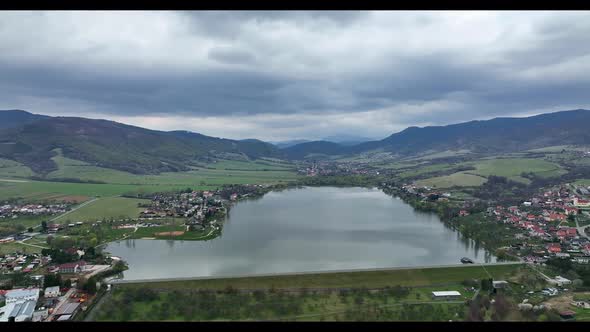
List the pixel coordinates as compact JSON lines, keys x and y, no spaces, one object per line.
{"x":293,"y":75}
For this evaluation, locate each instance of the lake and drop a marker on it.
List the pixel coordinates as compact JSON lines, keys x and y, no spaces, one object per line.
{"x":306,"y":229}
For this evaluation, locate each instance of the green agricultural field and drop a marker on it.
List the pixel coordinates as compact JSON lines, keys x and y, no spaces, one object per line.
{"x":26,"y":221}
{"x":259,"y":165}
{"x":459,"y":179}
{"x":106,"y":208}
{"x":45,"y":190}
{"x":443,"y":154}
{"x":425,"y":170}
{"x":12,"y":247}
{"x":12,"y":169}
{"x":369,"y":279}
{"x":513,"y":167}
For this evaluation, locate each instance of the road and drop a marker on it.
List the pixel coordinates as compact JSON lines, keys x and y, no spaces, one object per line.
{"x":74,"y":209}
{"x":582,"y":229}
{"x":309,"y":272}
{"x":62,"y":300}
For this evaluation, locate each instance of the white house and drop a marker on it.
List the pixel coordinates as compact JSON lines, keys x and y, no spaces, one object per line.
{"x":52,"y":292}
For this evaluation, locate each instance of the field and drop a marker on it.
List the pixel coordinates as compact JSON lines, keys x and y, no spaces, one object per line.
{"x":105,"y":208}
{"x":121,"y":183}
{"x":512,"y":168}
{"x":8,"y":248}
{"x":12,"y":169}
{"x":460,"y":179}
{"x":351,"y":305}
{"x":369,"y":279}
{"x":424,"y":170}
{"x":15,"y":178}
{"x":392,"y":295}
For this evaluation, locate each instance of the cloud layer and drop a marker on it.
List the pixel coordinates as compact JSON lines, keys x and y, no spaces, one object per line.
{"x":288,"y":75}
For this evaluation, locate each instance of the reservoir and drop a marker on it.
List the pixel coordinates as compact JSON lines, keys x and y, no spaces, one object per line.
{"x":306,"y":229}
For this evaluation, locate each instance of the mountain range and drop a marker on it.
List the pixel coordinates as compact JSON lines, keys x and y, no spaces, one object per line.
{"x":113,"y":145}
{"x":497,"y":135}
{"x":32,"y":139}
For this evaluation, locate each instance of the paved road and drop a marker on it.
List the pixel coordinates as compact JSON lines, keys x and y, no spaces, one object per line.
{"x":581,"y":230}
{"x":308,"y":272}
{"x":74,"y":209}
{"x":31,"y":245}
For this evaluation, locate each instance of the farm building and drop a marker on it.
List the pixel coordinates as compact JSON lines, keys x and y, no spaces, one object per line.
{"x":446,"y":295}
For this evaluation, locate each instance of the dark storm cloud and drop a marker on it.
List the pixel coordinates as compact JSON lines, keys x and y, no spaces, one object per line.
{"x":312,"y":74}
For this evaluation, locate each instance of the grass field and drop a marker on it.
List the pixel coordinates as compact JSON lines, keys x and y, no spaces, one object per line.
{"x":8,"y":248}
{"x":424,"y":170}
{"x":443,"y":154}
{"x":513,"y":167}
{"x":459,"y":179}
{"x":369,"y":279}
{"x":401,"y":295}
{"x":105,"y":208}
{"x":394,"y":305}
{"x":258,"y":165}
{"x":14,"y":182}
{"x":12,"y":169}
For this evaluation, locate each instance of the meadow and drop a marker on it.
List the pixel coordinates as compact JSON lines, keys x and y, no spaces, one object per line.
{"x":105,"y":208}
{"x":459,"y":179}
{"x":512,"y":168}
{"x":386,"y":295}
{"x":396,"y":303}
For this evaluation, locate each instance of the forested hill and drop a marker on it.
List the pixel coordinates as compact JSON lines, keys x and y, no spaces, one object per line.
{"x":115,"y":145}
{"x":489,"y":136}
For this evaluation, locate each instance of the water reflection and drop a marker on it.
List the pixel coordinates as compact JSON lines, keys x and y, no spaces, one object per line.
{"x":309,"y":229}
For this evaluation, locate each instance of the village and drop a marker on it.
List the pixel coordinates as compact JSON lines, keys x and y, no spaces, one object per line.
{"x":554,"y":221}
{"x":16,"y":210}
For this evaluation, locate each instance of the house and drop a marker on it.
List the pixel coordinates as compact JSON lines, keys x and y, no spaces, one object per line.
{"x":571,"y":210}
{"x":40,"y":315}
{"x":75,"y":267}
{"x":500,"y":284}
{"x":554,"y":248}
{"x":561,"y":281}
{"x":581,"y":203}
{"x":446,"y":295}
{"x":52,"y":292}
{"x":463,"y":213}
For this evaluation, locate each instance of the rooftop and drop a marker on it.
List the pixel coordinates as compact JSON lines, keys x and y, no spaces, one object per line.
{"x":446,"y":293}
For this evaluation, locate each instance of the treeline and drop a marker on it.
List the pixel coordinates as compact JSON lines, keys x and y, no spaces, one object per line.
{"x":341,"y":180}
{"x":70,"y":180}
{"x":500,"y":190}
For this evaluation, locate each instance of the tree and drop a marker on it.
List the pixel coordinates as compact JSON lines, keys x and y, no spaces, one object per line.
{"x":30,"y":230}
{"x":44,"y":226}
{"x":501,"y":306}
{"x":90,"y":285}
{"x":51,"y":280}
{"x":571,"y":218}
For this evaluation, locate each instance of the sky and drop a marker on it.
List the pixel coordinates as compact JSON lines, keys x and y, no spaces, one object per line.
{"x":283,"y":75}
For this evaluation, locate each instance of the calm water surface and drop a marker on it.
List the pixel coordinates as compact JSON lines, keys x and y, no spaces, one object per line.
{"x":307,"y":229}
